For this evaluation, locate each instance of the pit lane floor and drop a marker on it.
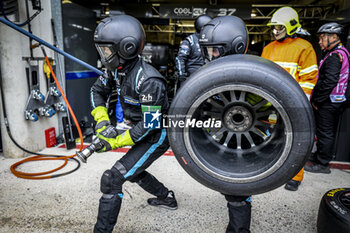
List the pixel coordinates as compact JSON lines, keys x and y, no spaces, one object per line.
{"x":69,"y":203}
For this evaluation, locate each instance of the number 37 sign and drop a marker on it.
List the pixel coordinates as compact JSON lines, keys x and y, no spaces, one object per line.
{"x":191,"y":12}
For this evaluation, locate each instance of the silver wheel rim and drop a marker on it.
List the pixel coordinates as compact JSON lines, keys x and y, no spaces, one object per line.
{"x":243,"y":124}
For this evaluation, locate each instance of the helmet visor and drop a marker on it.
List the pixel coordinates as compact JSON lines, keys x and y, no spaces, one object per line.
{"x":106,"y":51}
{"x":212,"y":52}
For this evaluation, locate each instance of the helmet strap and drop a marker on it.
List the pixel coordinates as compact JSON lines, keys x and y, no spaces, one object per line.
{"x":330,"y":43}
{"x":121,"y":62}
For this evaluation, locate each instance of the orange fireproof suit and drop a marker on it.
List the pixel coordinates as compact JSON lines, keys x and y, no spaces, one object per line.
{"x":298,"y":57}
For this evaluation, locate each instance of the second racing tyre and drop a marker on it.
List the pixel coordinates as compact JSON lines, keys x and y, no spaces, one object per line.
{"x":241,"y":125}
{"x":334,"y":212}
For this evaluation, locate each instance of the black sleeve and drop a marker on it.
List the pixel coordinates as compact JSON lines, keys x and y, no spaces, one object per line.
{"x":100,"y":91}
{"x":153,"y":96}
{"x":182,"y":56}
{"x":328,"y":79}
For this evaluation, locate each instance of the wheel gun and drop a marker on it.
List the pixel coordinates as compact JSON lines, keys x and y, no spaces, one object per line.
{"x":96,"y":145}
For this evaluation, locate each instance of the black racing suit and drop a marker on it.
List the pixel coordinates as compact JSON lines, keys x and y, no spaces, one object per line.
{"x":327,"y":113}
{"x":141,"y":88}
{"x":189,"y":57}
{"x":239,"y":212}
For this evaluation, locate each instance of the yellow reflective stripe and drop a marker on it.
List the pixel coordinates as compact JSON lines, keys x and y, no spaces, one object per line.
{"x":308,"y":70}
{"x":292,"y":66}
{"x":287,"y":64}
{"x":307,"y":85}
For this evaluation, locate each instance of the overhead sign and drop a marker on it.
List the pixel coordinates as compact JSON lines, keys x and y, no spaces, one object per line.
{"x":191,"y":12}
{"x":132,"y":9}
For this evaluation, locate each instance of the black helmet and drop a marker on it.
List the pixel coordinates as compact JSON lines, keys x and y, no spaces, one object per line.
{"x":331,"y":28}
{"x":222,"y":36}
{"x":201,"y":21}
{"x":119,"y":39}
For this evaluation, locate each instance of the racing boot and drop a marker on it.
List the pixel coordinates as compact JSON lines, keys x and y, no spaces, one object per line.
{"x":169,"y":202}
{"x":318,"y":168}
{"x":292,"y":185}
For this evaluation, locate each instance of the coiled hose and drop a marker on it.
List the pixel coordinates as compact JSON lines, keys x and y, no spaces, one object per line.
{"x":41,"y":157}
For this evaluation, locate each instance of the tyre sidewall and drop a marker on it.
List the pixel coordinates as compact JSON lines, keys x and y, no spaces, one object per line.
{"x":333,"y":216}
{"x":268,"y":77}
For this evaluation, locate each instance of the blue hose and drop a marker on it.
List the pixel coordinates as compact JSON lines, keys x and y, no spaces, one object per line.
{"x":67,"y":55}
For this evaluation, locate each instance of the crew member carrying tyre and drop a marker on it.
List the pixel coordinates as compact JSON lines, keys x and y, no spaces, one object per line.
{"x":330,"y":94}
{"x":189,"y":57}
{"x":296,"y":56}
{"x":142,"y":91}
{"x":221,"y":37}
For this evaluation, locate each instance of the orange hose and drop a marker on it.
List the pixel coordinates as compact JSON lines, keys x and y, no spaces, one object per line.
{"x":40,"y":175}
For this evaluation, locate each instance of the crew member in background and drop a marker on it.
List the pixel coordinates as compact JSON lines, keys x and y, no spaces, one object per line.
{"x":142,"y":89}
{"x":221,"y":37}
{"x":189,"y":57}
{"x":295,"y":55}
{"x":330,"y":94}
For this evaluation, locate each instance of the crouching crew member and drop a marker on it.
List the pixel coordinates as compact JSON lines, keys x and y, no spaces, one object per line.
{"x":142,"y":91}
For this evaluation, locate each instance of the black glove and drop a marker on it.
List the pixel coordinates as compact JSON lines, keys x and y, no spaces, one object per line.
{"x":105,"y":129}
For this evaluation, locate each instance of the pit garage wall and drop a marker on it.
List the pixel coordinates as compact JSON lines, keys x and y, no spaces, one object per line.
{"x":342,"y":152}
{"x":14,"y":46}
{"x":79,"y":24}
{"x":342,"y":144}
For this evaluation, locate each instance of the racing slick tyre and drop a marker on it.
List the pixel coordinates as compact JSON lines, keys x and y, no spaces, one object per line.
{"x":241,"y":125}
{"x":334,"y":212}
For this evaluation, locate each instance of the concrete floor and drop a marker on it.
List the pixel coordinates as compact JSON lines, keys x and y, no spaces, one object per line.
{"x":69,"y":203}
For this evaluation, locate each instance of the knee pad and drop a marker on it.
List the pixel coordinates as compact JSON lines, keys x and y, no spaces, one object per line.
{"x":111,"y":182}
